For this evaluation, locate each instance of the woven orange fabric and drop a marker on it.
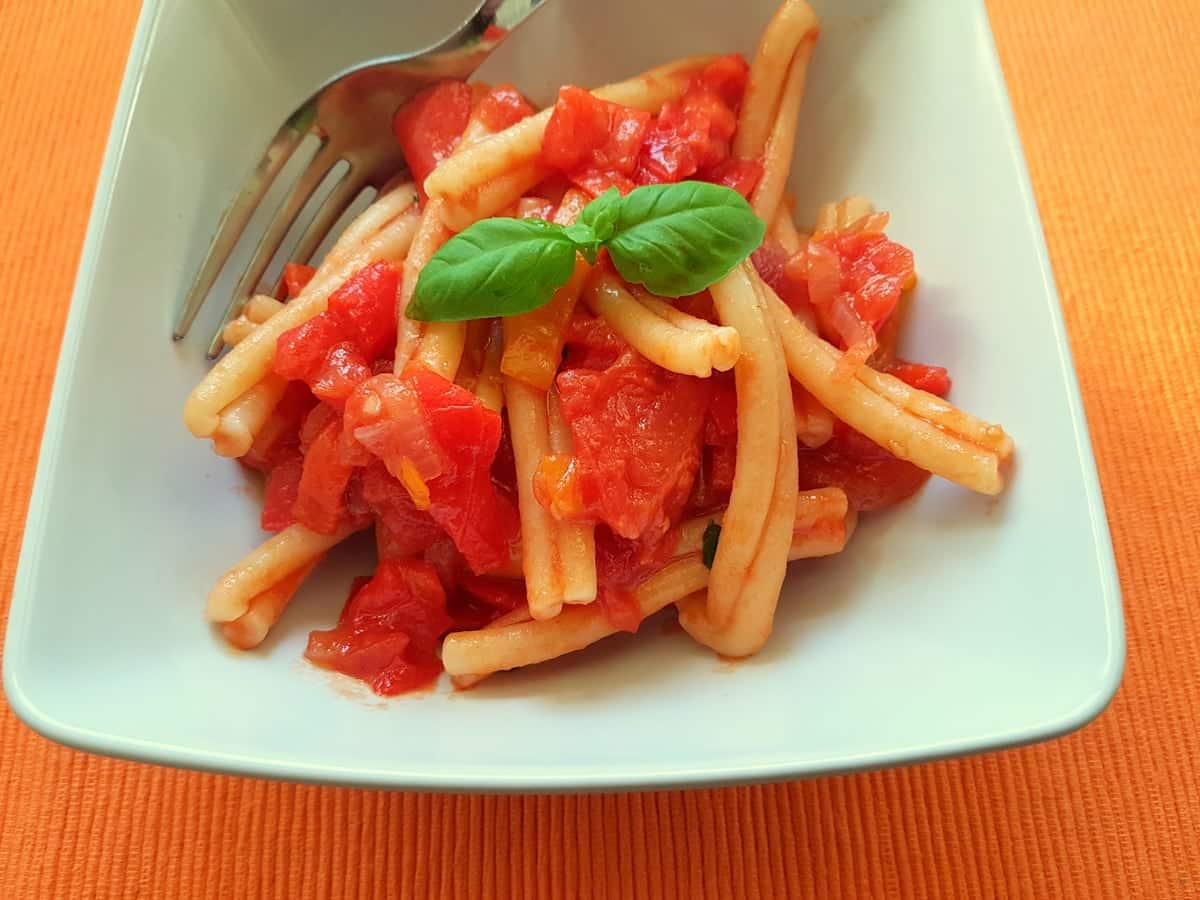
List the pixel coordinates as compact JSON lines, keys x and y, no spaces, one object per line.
{"x":1106,"y":98}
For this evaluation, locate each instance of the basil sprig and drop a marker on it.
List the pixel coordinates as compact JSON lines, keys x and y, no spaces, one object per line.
{"x":675,"y":239}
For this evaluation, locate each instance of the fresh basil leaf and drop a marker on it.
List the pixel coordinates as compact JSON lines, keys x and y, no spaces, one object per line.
{"x":496,"y":267}
{"x":601,"y":214}
{"x":708,"y":545}
{"x":677,"y":239}
{"x":584,"y":239}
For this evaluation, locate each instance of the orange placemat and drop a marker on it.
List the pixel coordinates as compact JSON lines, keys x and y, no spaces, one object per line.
{"x":1106,"y":97}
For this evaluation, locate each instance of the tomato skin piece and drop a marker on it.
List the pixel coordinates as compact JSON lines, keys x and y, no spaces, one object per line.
{"x":296,"y":277}
{"x":321,"y":496}
{"x":429,"y":126}
{"x":388,"y":631}
{"x":503,"y":107}
{"x":283,"y":485}
{"x":872,"y":477}
{"x":636,"y":430}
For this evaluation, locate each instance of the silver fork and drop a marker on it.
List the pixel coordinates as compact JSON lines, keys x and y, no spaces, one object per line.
{"x":351,"y":114}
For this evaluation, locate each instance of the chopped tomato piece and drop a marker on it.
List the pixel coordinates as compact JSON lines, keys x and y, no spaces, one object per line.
{"x":934,"y":379}
{"x":741,"y":175}
{"x":300,"y":351}
{"x":855,"y":279}
{"x":636,"y":431}
{"x":428,"y":126}
{"x":871,"y":476}
{"x":722,"y":463}
{"x":343,"y":370}
{"x":463,"y":500}
{"x":596,"y":143}
{"x":321,"y":495}
{"x":715,"y":481}
{"x":365,"y":306}
{"x":283,"y":484}
{"x":388,"y":632}
{"x":361,"y":314}
{"x":618,"y":570}
{"x":726,"y":76}
{"x":501,"y":594}
{"x":401,"y":530}
{"x":296,"y":277}
{"x":504,"y":467}
{"x":693,"y":133}
{"x":385,"y":416}
{"x":771,"y":261}
{"x":315,"y":421}
{"x":591,"y":343}
{"x":503,"y":107}
{"x":441,"y":442}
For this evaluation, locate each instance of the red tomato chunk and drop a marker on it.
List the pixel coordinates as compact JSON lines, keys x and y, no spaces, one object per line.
{"x":333,"y":351}
{"x":872,"y":477}
{"x":636,"y":431}
{"x":596,"y":143}
{"x":429,"y":126}
{"x":389,"y":629}
{"x":296,"y":277}
{"x":449,"y":440}
{"x":503,"y":107}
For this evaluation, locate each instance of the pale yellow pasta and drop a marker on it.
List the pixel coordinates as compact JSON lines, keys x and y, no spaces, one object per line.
{"x":522,"y":644}
{"x":441,"y":347}
{"x":237,"y":330}
{"x":260,"y":307}
{"x":268,"y":564}
{"x":793,"y":24}
{"x":814,"y":423}
{"x":783,"y":230}
{"x":250,"y":361}
{"x":759,"y":434}
{"x":251,"y":628}
{"x":576,"y":540}
{"x":748,"y":625}
{"x":489,"y":384}
{"x":539,"y":546}
{"x":693,"y":350}
{"x":429,"y":238}
{"x":242,"y":420}
{"x":822,"y":524}
{"x":910,"y":424}
{"x":777,"y":154}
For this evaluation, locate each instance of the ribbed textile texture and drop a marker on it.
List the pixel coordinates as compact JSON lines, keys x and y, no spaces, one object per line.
{"x":1107,"y":102}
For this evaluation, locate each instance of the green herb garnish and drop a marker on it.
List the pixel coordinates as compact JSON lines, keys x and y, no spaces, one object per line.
{"x":708,"y":545}
{"x":675,"y":239}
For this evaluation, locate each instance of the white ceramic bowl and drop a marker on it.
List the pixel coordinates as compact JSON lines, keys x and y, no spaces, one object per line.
{"x":952,"y":624}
